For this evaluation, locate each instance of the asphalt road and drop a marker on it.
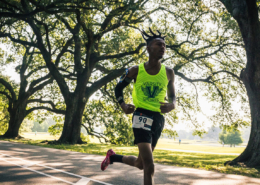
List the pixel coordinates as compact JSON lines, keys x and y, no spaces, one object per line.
{"x":33,"y":165}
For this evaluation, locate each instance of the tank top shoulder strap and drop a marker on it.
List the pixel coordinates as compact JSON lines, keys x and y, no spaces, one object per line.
{"x":140,"y":67}
{"x":140,"y":70}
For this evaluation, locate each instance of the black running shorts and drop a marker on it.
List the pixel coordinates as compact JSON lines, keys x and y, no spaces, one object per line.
{"x":145,"y":136}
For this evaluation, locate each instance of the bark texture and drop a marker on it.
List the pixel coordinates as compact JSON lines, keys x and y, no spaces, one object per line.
{"x":73,"y":118}
{"x":245,"y":12}
{"x":17,"y":115}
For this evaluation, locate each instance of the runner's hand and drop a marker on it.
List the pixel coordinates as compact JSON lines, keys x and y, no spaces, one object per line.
{"x":167,"y":107}
{"x":127,"y":108}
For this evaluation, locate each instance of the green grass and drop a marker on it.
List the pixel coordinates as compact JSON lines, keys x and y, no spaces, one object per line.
{"x":171,"y":144}
{"x":162,"y":143}
{"x":39,"y":136}
{"x":184,"y":159}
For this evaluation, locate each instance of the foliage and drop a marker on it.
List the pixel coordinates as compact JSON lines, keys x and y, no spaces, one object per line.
{"x":4,"y":104}
{"x":169,"y":133}
{"x":75,"y":39}
{"x":91,"y":47}
{"x":207,"y":59}
{"x":232,"y":137}
{"x":118,"y":127}
{"x":223,"y":137}
{"x":25,"y":97}
{"x":204,"y":50}
{"x":55,"y":129}
{"x":84,"y":137}
{"x":4,"y":115}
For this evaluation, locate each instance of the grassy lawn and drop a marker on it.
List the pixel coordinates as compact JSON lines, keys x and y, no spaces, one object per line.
{"x":162,"y":143}
{"x":184,"y":159}
{"x":170,"y":144}
{"x":39,"y":136}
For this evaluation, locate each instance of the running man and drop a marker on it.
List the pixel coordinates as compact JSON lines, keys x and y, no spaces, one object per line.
{"x":151,"y":82}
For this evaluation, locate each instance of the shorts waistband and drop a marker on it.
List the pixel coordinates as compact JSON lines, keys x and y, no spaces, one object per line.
{"x":148,"y":112}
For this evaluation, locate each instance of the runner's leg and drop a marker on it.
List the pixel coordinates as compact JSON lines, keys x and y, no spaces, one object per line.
{"x":133,"y":161}
{"x":146,"y":154}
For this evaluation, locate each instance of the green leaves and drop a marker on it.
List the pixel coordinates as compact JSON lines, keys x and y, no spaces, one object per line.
{"x":4,"y":115}
{"x":55,"y":129}
{"x":88,"y":41}
{"x":232,"y":137}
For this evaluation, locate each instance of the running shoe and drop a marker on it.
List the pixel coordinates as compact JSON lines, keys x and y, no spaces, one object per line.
{"x":106,"y":161}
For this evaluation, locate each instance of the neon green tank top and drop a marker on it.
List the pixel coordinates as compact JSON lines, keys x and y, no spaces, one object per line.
{"x":150,"y":90}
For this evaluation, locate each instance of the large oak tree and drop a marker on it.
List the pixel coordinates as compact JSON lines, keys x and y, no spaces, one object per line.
{"x":72,"y":34}
{"x":246,"y":14}
{"x":22,"y":98}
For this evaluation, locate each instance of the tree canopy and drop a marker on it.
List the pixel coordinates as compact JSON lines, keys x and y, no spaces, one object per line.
{"x":85,"y":45}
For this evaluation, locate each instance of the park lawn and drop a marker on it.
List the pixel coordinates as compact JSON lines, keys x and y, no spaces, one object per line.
{"x":162,"y":143}
{"x":165,"y":143}
{"x":39,"y":136}
{"x":184,"y":159}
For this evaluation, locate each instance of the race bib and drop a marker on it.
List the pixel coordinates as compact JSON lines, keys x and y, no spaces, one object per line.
{"x":142,"y":121}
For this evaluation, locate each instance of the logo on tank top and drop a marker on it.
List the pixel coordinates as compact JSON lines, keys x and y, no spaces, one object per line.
{"x":151,"y":90}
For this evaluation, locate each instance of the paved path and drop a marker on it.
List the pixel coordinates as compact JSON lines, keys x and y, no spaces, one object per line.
{"x":33,"y":165}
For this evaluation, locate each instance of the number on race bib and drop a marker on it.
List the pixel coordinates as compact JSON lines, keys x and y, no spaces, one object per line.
{"x":143,"y":122}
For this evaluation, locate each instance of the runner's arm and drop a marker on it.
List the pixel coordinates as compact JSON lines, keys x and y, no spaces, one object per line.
{"x":171,"y":88}
{"x":125,"y":81}
{"x":167,"y":107}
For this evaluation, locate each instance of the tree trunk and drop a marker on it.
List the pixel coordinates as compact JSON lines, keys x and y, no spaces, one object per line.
{"x":246,"y":15}
{"x":17,"y":115}
{"x":73,"y":120}
{"x":251,"y":155}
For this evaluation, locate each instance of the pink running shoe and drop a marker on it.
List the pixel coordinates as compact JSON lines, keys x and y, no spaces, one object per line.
{"x":106,"y":161}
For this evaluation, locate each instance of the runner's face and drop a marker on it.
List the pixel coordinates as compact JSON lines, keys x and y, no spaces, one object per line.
{"x":157,"y":48}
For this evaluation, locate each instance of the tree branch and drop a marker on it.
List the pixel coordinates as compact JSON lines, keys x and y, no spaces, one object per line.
{"x":39,"y":80}
{"x":24,"y":43}
{"x":94,"y":133}
{"x":207,"y":80}
{"x":42,"y":101}
{"x":136,"y":51}
{"x":41,"y":86}
{"x":57,"y":111}
{"x":51,"y":66}
{"x":9,"y":87}
{"x":98,"y":84}
{"x":64,"y":49}
{"x":4,"y":93}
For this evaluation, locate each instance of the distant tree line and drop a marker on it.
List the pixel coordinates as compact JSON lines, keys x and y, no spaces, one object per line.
{"x":232,"y":137}
{"x":216,"y":134}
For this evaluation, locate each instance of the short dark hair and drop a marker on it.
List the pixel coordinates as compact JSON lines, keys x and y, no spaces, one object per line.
{"x":149,"y":37}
